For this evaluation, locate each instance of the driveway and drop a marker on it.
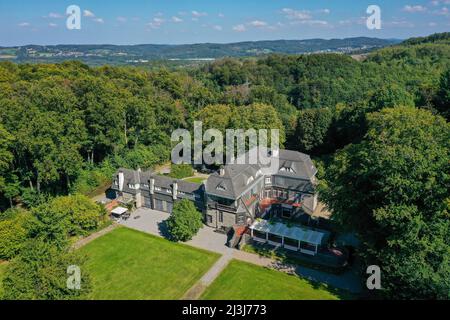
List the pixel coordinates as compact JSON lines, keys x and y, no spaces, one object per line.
{"x":153,"y":222}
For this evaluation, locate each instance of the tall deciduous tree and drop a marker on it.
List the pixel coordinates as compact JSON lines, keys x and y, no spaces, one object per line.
{"x":392,"y":189}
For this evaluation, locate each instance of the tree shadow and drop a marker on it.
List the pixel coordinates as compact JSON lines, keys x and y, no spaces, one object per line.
{"x":164,"y":230}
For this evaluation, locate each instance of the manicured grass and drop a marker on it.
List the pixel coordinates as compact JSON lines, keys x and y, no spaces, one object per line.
{"x":128,"y":264}
{"x":2,"y":274}
{"x":245,"y":281}
{"x":198,"y":180}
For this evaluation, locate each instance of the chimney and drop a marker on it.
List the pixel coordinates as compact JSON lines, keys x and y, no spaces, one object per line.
{"x":121,"y":180}
{"x":152,"y":185}
{"x":175,"y":190}
{"x":275,"y":152}
{"x":222,"y":171}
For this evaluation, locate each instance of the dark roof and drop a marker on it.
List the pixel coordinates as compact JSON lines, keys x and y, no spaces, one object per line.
{"x":235,"y":179}
{"x":143,"y":177}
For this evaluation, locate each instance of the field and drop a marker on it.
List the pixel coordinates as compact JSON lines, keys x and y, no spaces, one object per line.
{"x":244,"y":281}
{"x":127,"y":264}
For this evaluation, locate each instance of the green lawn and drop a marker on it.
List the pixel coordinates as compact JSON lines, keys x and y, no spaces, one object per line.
{"x":127,"y":264}
{"x":198,"y":180}
{"x":245,"y":281}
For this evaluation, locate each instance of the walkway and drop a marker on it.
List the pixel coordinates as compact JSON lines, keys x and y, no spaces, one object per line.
{"x":82,"y":242}
{"x":197,"y":289}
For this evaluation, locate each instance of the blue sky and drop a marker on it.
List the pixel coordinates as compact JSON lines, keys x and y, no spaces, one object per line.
{"x":183,"y":21}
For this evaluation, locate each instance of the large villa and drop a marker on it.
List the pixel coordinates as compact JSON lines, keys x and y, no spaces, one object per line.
{"x":269,"y":201}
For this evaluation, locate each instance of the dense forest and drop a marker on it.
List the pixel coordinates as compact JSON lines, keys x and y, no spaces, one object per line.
{"x":377,"y":129}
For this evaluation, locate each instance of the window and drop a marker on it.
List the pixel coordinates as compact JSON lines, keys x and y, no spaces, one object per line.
{"x":116,"y":182}
{"x":220,"y":216}
{"x":157,"y":188}
{"x":268,"y":180}
{"x":221,"y":187}
{"x":168,"y":191}
{"x":146,"y":185}
{"x":208,"y":218}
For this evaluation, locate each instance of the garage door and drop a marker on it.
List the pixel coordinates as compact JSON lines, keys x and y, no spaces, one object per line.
{"x":169,"y":207}
{"x":159,"y":205}
{"x":147,"y":202}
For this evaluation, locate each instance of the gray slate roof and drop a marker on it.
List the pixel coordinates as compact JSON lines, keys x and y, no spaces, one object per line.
{"x":234,"y":182}
{"x":143,"y":177}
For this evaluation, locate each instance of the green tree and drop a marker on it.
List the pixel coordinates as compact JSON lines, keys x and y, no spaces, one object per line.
{"x":442,"y":99}
{"x":82,"y":213}
{"x":13,"y":232}
{"x":392,"y":189}
{"x":391,"y":96}
{"x":185,"y":221}
{"x":312,"y":128}
{"x":39,"y":272}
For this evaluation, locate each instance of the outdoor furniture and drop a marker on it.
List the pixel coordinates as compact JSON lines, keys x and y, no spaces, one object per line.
{"x":119,"y":213}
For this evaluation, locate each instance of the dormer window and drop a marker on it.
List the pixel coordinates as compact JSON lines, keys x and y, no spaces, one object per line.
{"x":157,"y":188}
{"x":250,"y":180}
{"x":116,"y":182}
{"x":221,"y":187}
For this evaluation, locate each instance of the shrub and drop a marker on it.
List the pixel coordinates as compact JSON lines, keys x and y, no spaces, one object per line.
{"x":13,"y":232}
{"x":39,"y":272}
{"x":185,"y":221}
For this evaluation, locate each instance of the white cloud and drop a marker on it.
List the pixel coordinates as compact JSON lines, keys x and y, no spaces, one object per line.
{"x":325,"y":11}
{"x":296,"y":14}
{"x":54,"y":15}
{"x":52,"y":25}
{"x":414,"y":8}
{"x":444,"y":11}
{"x":99,"y":20}
{"x":88,"y":14}
{"x":239,"y":28}
{"x":432,"y":24}
{"x":24,"y":24}
{"x":156,"y":23}
{"x":198,"y":14}
{"x":438,"y":2}
{"x":122,"y":19}
{"x":176,"y":19}
{"x":221,"y":15}
{"x":258,"y":23}
{"x":218,"y":28}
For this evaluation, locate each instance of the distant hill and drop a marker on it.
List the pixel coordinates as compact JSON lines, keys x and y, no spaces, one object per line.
{"x":434,"y":38}
{"x":138,"y":54}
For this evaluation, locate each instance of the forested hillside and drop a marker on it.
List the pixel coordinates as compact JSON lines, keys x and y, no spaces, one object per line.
{"x":378,"y":130}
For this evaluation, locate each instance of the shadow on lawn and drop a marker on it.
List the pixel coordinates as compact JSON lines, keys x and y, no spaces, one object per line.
{"x":164,"y":230}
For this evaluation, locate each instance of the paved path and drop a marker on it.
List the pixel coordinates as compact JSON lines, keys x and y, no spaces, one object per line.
{"x":152,"y":221}
{"x":197,"y":289}
{"x":82,"y":242}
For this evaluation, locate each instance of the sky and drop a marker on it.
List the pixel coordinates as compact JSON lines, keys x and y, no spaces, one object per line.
{"x":43,"y":22}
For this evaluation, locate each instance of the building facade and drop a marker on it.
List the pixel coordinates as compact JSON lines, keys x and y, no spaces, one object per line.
{"x":235,"y":195}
